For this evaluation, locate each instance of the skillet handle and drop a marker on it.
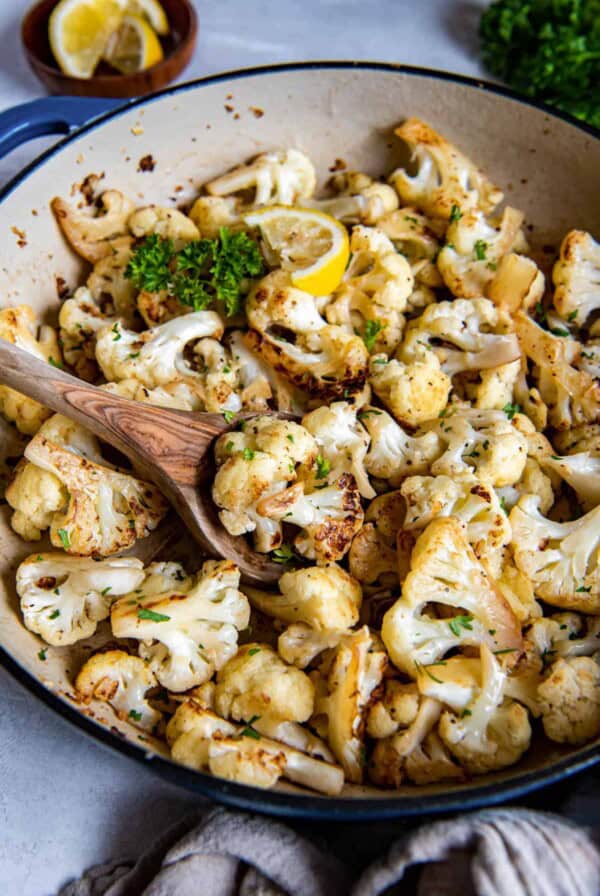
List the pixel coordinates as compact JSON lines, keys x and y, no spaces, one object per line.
{"x":50,"y":115}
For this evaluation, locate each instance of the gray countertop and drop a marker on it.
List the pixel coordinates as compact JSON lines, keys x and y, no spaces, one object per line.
{"x":66,"y":802}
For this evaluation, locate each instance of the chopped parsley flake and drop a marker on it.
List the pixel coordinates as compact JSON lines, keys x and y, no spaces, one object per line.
{"x":459,"y":622}
{"x":135,"y":715}
{"x":143,"y":613}
{"x":283,"y":553}
{"x":511,"y":409}
{"x":455,"y":214}
{"x":64,"y":537}
{"x":323,"y":467}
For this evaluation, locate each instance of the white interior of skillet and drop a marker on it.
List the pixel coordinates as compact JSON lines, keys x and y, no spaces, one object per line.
{"x":546,"y":167}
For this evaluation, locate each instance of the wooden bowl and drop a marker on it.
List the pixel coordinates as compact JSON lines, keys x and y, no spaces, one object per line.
{"x":178,"y":47}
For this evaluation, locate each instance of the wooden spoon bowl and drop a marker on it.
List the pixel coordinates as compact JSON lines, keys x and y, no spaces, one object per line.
{"x":169,"y":448}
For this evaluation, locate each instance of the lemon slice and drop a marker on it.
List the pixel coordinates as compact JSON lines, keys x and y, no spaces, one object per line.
{"x":311,"y":245}
{"x":150,"y":10}
{"x":78,"y":31}
{"x":133,"y":47}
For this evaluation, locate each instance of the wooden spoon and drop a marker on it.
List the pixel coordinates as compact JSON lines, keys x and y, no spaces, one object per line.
{"x":169,"y":448}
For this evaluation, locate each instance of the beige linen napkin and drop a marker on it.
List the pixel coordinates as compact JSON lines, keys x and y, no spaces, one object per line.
{"x":501,"y":852}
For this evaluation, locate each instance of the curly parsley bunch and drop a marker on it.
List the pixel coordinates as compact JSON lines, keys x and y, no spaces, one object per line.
{"x":547,"y":49}
{"x":203,"y":272}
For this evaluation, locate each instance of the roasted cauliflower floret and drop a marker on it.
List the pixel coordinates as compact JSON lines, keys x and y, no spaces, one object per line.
{"x":81,"y":318}
{"x":464,"y":335}
{"x":445,"y":570}
{"x":256,"y":684}
{"x":102,"y":512}
{"x":211,"y":213}
{"x":396,"y":708}
{"x":561,"y":559}
{"x":393,"y":454}
{"x":201,"y":740}
{"x":299,"y":644}
{"x":417,"y":238}
{"x":123,"y":681}
{"x":485,"y":443}
{"x":109,"y":286}
{"x":576,"y":277}
{"x":474,"y":248}
{"x":445,"y":178}
{"x":35,"y":494}
{"x":90,"y":233}
{"x":273,"y":178}
{"x":291,"y":336}
{"x":187,"y":630}
{"x":373,"y":558}
{"x":568,"y":388}
{"x":373,"y":292}
{"x":64,"y":598}
{"x":491,"y":733}
{"x":342,"y":703}
{"x":582,"y":472}
{"x":254,"y":465}
{"x":570,"y":700}
{"x":329,"y":517}
{"x":414,"y":751}
{"x":325,"y":598}
{"x":168,"y":223}
{"x":155,"y":357}
{"x":517,"y":284}
{"x":342,"y":442}
{"x":19,"y":326}
{"x":472,"y":502}
{"x":358,"y":199}
{"x":415,"y":391}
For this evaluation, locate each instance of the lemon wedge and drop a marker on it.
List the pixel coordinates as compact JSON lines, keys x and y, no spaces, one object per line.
{"x":133,"y":47}
{"x":78,"y":31}
{"x":152,"y":11}
{"x":311,"y":245}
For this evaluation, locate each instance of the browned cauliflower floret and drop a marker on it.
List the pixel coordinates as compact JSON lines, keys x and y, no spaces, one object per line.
{"x":491,"y":733}
{"x":373,"y":292}
{"x":570,"y":391}
{"x":393,"y":453}
{"x":464,"y":335}
{"x":415,"y":391}
{"x":90,"y":508}
{"x":187,"y":626}
{"x":90,"y":233}
{"x":418,"y":239}
{"x":344,"y":692}
{"x":576,"y":277}
{"x":562,"y":560}
{"x":415,"y":751}
{"x":444,"y":570}
{"x":109,"y":286}
{"x":168,"y":223}
{"x":570,"y":700}
{"x":81,"y":318}
{"x":289,"y":333}
{"x":326,"y":598}
{"x":358,"y":199}
{"x":202,"y":740}
{"x":474,"y":248}
{"x":373,"y":558}
{"x":19,"y":326}
{"x":396,"y":708}
{"x":517,"y":284}
{"x":445,"y":179}
{"x":469,"y":500}
{"x":343,"y":442}
{"x":281,"y":178}
{"x":329,"y":516}
{"x":123,"y":681}
{"x":256,"y":684}
{"x":253,"y":466}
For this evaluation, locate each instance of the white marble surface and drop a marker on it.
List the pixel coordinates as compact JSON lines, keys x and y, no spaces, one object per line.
{"x":66,"y":802}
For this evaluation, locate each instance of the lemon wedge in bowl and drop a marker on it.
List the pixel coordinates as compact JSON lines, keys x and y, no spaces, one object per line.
{"x":152,"y":11}
{"x":78,"y":31}
{"x":311,"y":245}
{"x":133,"y":47}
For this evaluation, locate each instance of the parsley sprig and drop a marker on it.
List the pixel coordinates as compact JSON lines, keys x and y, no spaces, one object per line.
{"x":199,"y":274}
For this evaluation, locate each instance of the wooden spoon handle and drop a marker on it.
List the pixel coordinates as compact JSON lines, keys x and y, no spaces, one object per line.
{"x":174,"y":441}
